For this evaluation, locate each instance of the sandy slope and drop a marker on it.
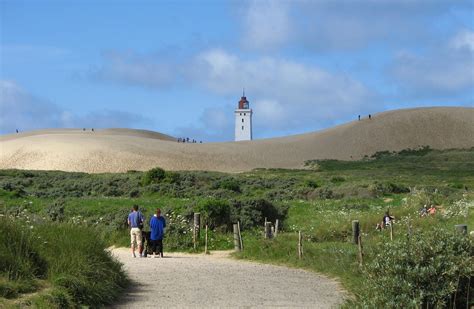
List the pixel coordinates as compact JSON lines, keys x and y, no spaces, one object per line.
{"x":216,"y":281}
{"x":120,"y":150}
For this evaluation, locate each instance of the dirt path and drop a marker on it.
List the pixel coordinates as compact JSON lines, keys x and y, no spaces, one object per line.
{"x":217,"y":281}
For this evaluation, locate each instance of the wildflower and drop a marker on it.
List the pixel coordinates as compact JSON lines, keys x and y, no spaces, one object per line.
{"x":31,"y":226}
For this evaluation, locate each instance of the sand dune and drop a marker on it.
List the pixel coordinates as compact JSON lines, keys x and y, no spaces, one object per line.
{"x":119,"y":150}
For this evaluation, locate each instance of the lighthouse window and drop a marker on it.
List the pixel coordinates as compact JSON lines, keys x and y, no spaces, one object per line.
{"x":242,"y":119}
{"x":244,"y":114}
{"x":240,"y":114}
{"x":242,"y":127}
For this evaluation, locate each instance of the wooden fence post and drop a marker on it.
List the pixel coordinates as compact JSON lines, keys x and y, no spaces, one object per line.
{"x":236,"y":238}
{"x":361,"y":253}
{"x":409,"y":228}
{"x":355,"y":231}
{"x":240,"y":237}
{"x":276,"y":228}
{"x":196,"y":228}
{"x":300,"y":246}
{"x":391,"y":230}
{"x":461,"y":228}
{"x":268,"y":230}
{"x":205,"y":243}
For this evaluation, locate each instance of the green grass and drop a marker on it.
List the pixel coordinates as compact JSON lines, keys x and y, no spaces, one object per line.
{"x":61,"y":265}
{"x":321,"y":201}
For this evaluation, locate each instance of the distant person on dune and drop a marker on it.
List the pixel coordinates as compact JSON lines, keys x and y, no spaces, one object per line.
{"x":370,"y":116}
{"x":157,"y":227}
{"x":359,"y":117}
{"x":135,"y":222}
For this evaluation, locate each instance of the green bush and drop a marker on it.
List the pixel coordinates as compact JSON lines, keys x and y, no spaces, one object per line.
{"x":230,"y":184}
{"x":337,"y":179}
{"x":252,"y":212}
{"x":214,"y":212}
{"x":389,"y":188}
{"x":311,"y":183}
{"x":154,"y":175}
{"x":424,"y":271}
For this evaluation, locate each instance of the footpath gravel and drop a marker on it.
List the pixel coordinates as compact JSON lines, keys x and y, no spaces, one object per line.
{"x":217,"y":281}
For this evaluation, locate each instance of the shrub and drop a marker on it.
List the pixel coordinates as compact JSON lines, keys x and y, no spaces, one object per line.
{"x":337,"y":179}
{"x":154,"y":175}
{"x":423,"y":271}
{"x":252,"y":212}
{"x":214,"y":212}
{"x":56,"y":210}
{"x":389,"y":188}
{"x":230,"y":184}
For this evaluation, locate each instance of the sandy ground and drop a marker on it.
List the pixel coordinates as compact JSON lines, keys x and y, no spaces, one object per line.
{"x":217,"y":281}
{"x":121,"y":150}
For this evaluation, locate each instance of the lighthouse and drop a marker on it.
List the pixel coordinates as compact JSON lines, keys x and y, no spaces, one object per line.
{"x":243,"y":120}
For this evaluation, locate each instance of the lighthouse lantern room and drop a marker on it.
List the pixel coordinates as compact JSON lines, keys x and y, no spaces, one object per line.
{"x":243,"y":120}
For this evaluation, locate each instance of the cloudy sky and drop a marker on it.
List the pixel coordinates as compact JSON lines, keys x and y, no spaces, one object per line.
{"x":178,"y":67}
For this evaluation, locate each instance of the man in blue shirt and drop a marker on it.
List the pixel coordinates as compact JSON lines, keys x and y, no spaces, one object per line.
{"x":135,"y":222}
{"x":157,"y":228}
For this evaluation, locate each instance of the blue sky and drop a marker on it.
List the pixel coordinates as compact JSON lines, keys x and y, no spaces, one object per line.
{"x":178,"y":67}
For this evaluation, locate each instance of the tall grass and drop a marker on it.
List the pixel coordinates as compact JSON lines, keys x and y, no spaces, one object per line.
{"x":66,"y":265}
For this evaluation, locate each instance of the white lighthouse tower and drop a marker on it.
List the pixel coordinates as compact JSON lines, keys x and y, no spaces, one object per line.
{"x":243,"y":120}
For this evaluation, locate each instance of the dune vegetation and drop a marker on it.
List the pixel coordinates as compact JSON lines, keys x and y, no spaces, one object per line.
{"x":55,"y":265}
{"x":428,"y":263}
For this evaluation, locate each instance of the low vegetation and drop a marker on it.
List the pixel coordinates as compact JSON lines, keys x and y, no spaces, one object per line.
{"x":320,"y":201}
{"x":55,"y":266}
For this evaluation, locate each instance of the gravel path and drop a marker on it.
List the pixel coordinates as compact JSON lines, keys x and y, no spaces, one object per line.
{"x":217,"y":281}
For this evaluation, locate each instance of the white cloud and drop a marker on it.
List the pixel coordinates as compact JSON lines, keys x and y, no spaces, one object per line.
{"x":342,"y":24}
{"x":447,"y":70}
{"x":21,"y":110}
{"x":464,"y":39}
{"x":137,"y":70}
{"x":284,"y":93}
{"x":266,"y":24}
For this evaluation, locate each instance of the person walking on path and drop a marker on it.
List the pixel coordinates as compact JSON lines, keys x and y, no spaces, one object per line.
{"x":135,"y":222}
{"x":157,"y":228}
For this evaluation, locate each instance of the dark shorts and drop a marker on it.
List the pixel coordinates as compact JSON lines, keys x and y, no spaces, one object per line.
{"x":157,"y":246}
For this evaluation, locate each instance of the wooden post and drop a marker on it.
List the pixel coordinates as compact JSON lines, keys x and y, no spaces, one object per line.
{"x":196,"y":228}
{"x":409,"y":228}
{"x":468,"y":288}
{"x":361,"y":253}
{"x":236,"y":238}
{"x":268,"y":230}
{"x":240,"y":237}
{"x":461,"y":228}
{"x":300,"y":246}
{"x":276,"y":228}
{"x":355,"y":231}
{"x":391,"y":230}
{"x":205,"y":243}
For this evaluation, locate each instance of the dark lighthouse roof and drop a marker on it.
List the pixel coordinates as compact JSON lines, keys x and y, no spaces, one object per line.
{"x":243,"y":103}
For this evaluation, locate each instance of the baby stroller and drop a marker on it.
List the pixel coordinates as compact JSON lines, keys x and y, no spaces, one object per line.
{"x":146,"y":247}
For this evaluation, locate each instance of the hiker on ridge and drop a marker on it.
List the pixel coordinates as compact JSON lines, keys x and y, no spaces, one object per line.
{"x":135,"y":222}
